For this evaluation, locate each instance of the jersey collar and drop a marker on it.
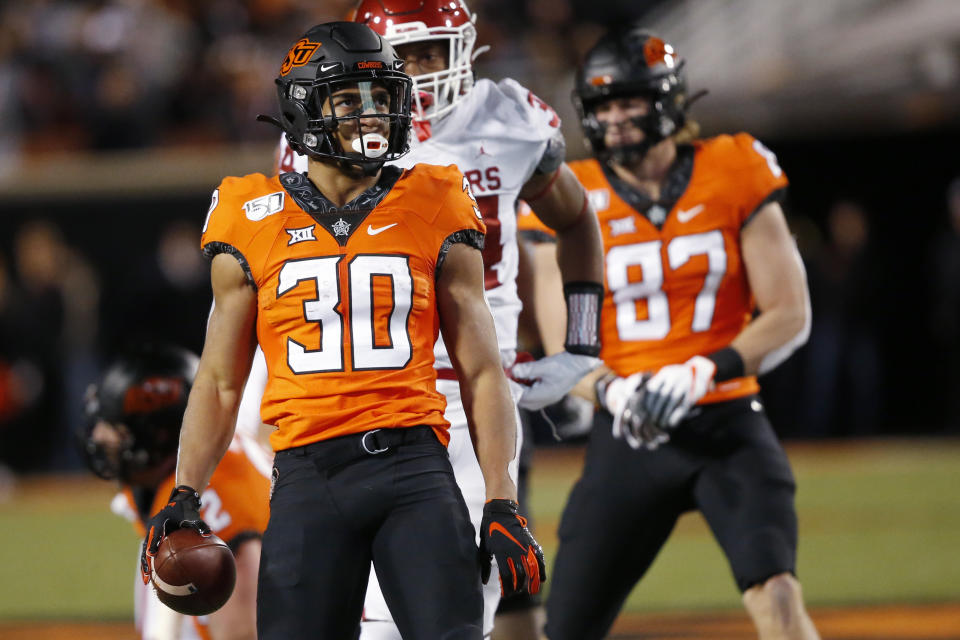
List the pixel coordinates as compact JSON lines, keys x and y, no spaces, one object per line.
{"x":340,"y":222}
{"x":656,"y":211}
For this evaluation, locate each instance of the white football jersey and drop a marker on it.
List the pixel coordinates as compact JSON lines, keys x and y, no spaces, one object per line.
{"x":496,"y":136}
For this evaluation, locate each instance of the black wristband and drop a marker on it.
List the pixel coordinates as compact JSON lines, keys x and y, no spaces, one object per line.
{"x":729,"y":364}
{"x":501,"y":505}
{"x":584,"y":301}
{"x":185,"y":492}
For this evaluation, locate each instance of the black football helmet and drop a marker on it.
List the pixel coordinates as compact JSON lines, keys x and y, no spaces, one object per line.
{"x":144,"y":394}
{"x":328,"y":57}
{"x":630,"y":61}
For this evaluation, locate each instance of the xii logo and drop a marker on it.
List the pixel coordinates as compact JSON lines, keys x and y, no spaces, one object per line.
{"x":300,"y":235}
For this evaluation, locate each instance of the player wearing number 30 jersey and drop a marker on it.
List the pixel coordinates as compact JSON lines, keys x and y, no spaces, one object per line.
{"x":507,"y":143}
{"x":348,"y":295}
{"x":345,"y":276}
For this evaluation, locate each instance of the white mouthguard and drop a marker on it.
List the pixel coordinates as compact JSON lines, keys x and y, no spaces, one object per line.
{"x":372,"y":145}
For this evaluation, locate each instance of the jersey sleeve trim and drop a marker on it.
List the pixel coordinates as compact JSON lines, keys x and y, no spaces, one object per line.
{"x":470,"y":237}
{"x":553,"y":156}
{"x":244,"y":536}
{"x":212,"y":249}
{"x":777,"y":195}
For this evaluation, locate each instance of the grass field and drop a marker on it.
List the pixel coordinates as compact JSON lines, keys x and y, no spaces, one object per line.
{"x":879,"y":527}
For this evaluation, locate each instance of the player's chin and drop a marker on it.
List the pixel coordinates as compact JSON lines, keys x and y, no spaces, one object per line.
{"x":619,"y":140}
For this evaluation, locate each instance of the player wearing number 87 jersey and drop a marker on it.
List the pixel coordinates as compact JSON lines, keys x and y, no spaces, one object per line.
{"x":345,"y":276}
{"x":695,"y":243}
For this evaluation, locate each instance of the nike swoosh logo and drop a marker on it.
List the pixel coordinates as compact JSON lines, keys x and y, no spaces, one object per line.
{"x":326,"y":67}
{"x":373,"y":231}
{"x":496,"y":527}
{"x":689,"y":214}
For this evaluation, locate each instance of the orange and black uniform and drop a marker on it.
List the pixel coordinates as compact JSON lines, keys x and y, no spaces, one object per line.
{"x":347,"y":319}
{"x":676,"y":286}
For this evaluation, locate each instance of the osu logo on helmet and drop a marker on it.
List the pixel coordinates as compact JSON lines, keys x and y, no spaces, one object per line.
{"x":299,"y":55}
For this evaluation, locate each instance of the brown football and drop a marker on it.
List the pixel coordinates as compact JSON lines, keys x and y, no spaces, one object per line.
{"x":193,"y":574}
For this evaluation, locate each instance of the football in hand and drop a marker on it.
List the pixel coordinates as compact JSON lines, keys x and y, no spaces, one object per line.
{"x":193,"y":574}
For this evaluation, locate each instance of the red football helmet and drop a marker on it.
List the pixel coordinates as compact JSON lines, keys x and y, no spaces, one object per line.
{"x":405,"y":21}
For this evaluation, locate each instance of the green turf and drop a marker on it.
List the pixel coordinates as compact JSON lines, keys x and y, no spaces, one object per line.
{"x":66,"y":565}
{"x":879,"y":523}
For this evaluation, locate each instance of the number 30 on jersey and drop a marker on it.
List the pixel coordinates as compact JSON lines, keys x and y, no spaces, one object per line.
{"x":365,"y":354}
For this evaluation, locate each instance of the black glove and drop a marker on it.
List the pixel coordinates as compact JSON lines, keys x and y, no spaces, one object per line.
{"x":504,"y":535}
{"x":182,"y":511}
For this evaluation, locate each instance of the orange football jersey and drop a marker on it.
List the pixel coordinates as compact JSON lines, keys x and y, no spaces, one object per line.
{"x":682,"y":290}
{"x":347,"y":315}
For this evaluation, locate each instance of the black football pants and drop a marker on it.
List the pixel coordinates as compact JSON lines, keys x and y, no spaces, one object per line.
{"x":402,"y":510}
{"x":725,"y":461}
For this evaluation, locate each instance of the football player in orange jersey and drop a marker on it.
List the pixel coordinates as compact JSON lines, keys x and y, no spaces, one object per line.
{"x":508,"y":143}
{"x":130,"y":435}
{"x":345,"y":276}
{"x":705,"y":290}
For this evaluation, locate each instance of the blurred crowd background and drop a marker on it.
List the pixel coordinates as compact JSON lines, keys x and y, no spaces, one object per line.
{"x":118,"y":118}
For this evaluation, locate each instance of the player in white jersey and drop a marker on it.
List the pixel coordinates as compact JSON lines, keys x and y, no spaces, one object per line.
{"x":507,"y":142}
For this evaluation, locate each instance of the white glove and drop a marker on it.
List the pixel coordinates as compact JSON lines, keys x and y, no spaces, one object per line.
{"x":624,"y":400}
{"x":550,"y":378}
{"x":674,"y":389}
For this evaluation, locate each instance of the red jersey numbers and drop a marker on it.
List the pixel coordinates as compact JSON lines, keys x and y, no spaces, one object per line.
{"x":365,"y":318}
{"x":488,"y":208}
{"x":492,"y":246}
{"x":537,"y":102}
{"x":287,"y":160}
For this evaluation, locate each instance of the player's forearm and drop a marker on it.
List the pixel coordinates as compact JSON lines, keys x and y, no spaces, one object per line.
{"x":208,"y":426}
{"x":580,"y":250}
{"x":772,"y":336}
{"x":548,"y":298}
{"x":493,"y":428}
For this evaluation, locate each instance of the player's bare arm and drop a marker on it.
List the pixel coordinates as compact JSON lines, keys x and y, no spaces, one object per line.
{"x":779,"y":284}
{"x":237,"y":619}
{"x":562,"y":204}
{"x":211,"y":413}
{"x":470,"y":336}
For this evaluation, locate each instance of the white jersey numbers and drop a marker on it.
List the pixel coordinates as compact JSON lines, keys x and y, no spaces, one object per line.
{"x":770,"y":157}
{"x":622,"y":261}
{"x":395,"y":271}
{"x":365,"y":271}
